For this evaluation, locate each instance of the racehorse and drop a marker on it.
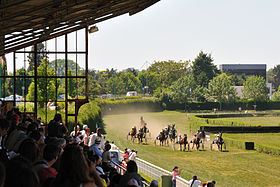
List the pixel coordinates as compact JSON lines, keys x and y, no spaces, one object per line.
{"x":132,"y":133}
{"x":172,"y":133}
{"x":198,"y":139}
{"x":162,"y":137}
{"x":219,"y":141}
{"x":184,"y":141}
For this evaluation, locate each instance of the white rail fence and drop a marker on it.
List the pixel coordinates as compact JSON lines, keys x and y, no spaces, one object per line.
{"x":156,"y":172}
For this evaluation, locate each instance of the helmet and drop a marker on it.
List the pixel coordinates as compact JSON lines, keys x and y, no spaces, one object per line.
{"x":194,"y":134}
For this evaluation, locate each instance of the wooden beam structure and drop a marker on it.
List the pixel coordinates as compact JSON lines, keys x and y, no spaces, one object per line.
{"x":25,"y":23}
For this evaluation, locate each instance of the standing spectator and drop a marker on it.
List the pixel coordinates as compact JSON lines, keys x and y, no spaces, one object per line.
{"x":84,"y":130}
{"x":98,"y":139}
{"x":106,"y":158}
{"x":44,"y":167}
{"x":131,"y":175}
{"x":86,"y":137}
{"x":176,"y":172}
{"x":126,"y":153}
{"x":133,"y":155}
{"x":194,"y":182}
{"x":73,"y":132}
{"x":56,"y":128}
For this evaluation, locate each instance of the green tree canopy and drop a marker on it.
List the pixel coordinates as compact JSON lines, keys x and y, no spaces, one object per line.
{"x":45,"y":87}
{"x":203,"y":70}
{"x":255,"y":89}
{"x":182,"y":89}
{"x":220,"y":89}
{"x":42,"y":53}
{"x":169,"y":71}
{"x":60,"y":67}
{"x":276,"y":95}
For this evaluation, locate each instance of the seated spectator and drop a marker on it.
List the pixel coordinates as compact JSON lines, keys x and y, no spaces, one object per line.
{"x":78,"y":137}
{"x":43,"y":166}
{"x":154,"y":183}
{"x":4,"y":126}
{"x":2,"y":175}
{"x":20,"y":173}
{"x":74,"y":169}
{"x":124,"y":162}
{"x":29,"y":150}
{"x":195,"y":182}
{"x":130,"y":174}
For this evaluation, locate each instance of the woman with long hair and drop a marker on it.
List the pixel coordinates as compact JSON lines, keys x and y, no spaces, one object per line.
{"x":74,"y":169}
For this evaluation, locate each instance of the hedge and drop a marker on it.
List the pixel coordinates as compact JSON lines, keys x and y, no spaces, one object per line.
{"x":90,"y":115}
{"x":209,"y":119}
{"x":245,"y":105}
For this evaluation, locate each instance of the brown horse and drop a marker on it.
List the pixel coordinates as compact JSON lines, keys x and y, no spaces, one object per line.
{"x":198,"y":139}
{"x":219,"y":141}
{"x":132,"y":133}
{"x":184,"y":141}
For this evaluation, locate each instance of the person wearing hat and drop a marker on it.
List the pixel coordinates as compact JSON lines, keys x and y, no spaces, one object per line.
{"x":175,"y":172}
{"x":97,"y":139}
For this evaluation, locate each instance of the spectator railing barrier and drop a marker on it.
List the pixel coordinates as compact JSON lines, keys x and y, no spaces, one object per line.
{"x":156,"y":172}
{"x":121,"y":170}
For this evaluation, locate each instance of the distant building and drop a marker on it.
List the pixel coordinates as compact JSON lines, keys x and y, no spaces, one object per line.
{"x":244,"y":69}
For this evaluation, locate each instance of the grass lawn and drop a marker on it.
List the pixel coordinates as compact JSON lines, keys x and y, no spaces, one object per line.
{"x":234,"y":168}
{"x":271,"y":139}
{"x":269,"y":120}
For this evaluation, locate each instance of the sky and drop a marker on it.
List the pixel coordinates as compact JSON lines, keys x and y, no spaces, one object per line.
{"x":232,"y":31}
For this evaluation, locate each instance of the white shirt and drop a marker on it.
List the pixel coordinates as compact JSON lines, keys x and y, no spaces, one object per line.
{"x":132,"y":156}
{"x":98,"y":140}
{"x":196,"y":183}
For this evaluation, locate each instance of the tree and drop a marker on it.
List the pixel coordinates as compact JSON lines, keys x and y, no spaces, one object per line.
{"x":45,"y":87}
{"x":150,"y":80}
{"x":169,"y":71}
{"x":274,"y":77}
{"x":182,"y":89}
{"x":203,"y":70}
{"x":20,"y":82}
{"x":276,"y":95}
{"x":60,"y":67}
{"x":220,"y":89}
{"x":41,"y":54}
{"x":255,"y":89}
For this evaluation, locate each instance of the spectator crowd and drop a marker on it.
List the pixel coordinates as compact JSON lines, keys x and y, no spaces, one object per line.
{"x":35,"y":155}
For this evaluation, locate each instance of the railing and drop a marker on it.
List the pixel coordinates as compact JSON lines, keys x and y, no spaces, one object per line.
{"x":156,"y":172}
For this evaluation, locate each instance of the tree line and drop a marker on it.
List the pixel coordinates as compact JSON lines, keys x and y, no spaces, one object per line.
{"x":197,"y":80}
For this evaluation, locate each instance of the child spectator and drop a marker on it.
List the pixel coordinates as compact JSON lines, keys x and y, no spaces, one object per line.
{"x":176,"y":172}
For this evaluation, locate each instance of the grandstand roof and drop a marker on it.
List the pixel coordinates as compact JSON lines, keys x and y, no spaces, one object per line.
{"x":27,"y":22}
